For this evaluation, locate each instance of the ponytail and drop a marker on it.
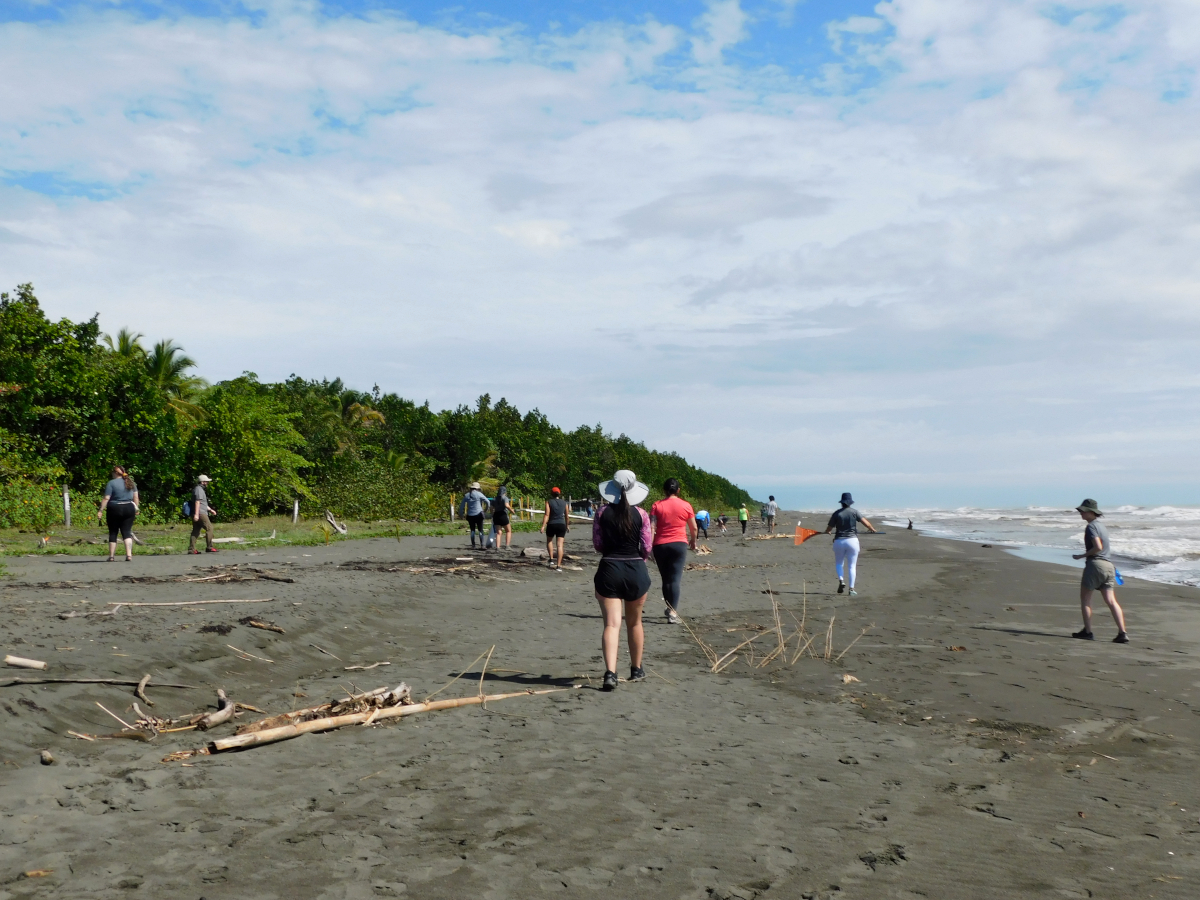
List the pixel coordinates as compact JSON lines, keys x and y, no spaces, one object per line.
{"x":628,"y":522}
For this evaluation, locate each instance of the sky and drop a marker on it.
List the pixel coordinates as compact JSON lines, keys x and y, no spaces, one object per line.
{"x":934,"y":252}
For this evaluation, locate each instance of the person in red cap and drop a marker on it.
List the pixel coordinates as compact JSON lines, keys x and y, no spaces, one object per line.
{"x":555,"y":524}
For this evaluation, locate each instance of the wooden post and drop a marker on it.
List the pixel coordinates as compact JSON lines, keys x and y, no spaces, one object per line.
{"x":67,"y":505}
{"x":295,"y":510}
{"x":451,"y":507}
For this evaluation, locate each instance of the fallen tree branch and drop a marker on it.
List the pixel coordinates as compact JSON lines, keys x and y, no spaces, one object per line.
{"x":119,"y":681}
{"x":286,"y":732}
{"x":140,"y":691}
{"x":259,"y":623}
{"x":225,"y":712}
{"x":22,"y":663}
{"x":118,"y":605}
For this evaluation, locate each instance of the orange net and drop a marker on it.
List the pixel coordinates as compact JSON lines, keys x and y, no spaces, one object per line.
{"x":803,"y":534}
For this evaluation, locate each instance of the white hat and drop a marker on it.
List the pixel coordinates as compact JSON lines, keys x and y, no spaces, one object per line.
{"x":204,"y":478}
{"x":474,"y":485}
{"x":635,"y":491}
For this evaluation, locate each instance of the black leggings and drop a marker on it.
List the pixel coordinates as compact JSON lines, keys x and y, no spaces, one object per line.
{"x":120,"y":518}
{"x":744,"y":524}
{"x":670,"y":559}
{"x":476,"y":523}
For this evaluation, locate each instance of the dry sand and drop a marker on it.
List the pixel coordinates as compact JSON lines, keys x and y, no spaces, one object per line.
{"x":1025,"y":765}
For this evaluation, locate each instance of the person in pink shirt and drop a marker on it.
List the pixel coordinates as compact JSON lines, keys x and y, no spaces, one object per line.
{"x":621,"y":534}
{"x":674,"y":523}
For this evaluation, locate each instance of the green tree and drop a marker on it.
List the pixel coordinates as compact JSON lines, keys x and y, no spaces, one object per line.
{"x":248,"y":445}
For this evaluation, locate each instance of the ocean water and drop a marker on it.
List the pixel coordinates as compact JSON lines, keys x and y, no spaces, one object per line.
{"x":1160,"y":543}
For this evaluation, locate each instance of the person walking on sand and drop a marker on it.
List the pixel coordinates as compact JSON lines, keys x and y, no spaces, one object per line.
{"x":474,"y":503}
{"x":772,"y":511}
{"x":120,"y":504}
{"x":845,"y":541}
{"x":674,"y":531}
{"x":621,"y":534}
{"x":743,"y":517}
{"x":1098,"y":573}
{"x":202,"y":513}
{"x":556,"y":523}
{"x":500,"y":517}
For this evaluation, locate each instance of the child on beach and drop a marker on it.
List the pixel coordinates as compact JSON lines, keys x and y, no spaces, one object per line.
{"x":1098,"y":573}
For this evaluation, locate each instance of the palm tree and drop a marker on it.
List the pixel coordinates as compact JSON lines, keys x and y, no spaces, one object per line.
{"x":127,"y":344}
{"x":168,"y":365}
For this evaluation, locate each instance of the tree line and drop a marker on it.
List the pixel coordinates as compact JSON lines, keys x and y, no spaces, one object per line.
{"x":75,"y":401}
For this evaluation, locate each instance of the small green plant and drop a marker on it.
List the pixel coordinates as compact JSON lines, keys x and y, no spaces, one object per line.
{"x":325,"y":529}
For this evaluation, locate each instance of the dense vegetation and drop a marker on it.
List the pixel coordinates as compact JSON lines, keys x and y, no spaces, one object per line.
{"x":73,"y":402}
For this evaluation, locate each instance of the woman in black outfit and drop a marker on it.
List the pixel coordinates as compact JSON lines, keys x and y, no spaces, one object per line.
{"x":500,"y":520}
{"x":121,"y":504}
{"x":621,"y":533}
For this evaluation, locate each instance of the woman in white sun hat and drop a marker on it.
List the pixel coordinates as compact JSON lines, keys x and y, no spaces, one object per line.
{"x":621,"y":534}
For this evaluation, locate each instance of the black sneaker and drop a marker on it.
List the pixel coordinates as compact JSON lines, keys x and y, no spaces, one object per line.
{"x":1084,"y":635}
{"x":841,"y":586}
{"x":637,"y":673}
{"x":1121,"y":638}
{"x":610,"y":681}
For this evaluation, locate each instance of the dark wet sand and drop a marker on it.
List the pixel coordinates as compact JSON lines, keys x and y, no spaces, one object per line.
{"x":1025,"y":765}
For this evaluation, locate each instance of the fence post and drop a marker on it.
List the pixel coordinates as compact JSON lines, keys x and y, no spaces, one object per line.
{"x":451,"y":507}
{"x":295,"y":510}
{"x":67,"y":505}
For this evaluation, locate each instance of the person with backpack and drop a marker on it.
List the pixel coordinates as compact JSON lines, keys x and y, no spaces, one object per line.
{"x":120,"y":504}
{"x":621,"y":534}
{"x":201,"y":514}
{"x":556,"y":522}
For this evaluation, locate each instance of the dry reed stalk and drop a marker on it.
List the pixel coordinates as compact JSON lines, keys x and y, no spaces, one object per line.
{"x":800,"y":652}
{"x":855,"y":641}
{"x":829,"y":639}
{"x":484,"y":672}
{"x":487,"y":653}
{"x":774,"y":654}
{"x":737,"y":648}
{"x":708,"y":651}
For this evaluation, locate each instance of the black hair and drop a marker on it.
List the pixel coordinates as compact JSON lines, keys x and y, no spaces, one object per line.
{"x":671,"y":486}
{"x":629,"y":523}
{"x":772,"y":497}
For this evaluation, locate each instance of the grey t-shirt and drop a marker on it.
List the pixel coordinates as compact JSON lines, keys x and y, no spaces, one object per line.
{"x":558,"y":511}
{"x":772,"y":507}
{"x":845,"y":520}
{"x":199,"y":500}
{"x":116,"y":492}
{"x":475,"y":500}
{"x":1096,"y":535}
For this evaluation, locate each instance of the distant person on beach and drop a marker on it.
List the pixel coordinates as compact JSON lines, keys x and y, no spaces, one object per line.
{"x":120,"y":504}
{"x":772,"y":511}
{"x":202,"y":514}
{"x":723,"y":520}
{"x":556,"y":522}
{"x":703,"y":521}
{"x":674,"y":523}
{"x":743,"y":517}
{"x":500,"y":517}
{"x":621,"y":534}
{"x":762,"y":513}
{"x":1099,"y":574}
{"x":845,"y":541}
{"x":589,"y":509}
{"x":474,"y":504}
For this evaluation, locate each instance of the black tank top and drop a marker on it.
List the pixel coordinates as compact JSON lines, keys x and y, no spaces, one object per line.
{"x":615,"y":544}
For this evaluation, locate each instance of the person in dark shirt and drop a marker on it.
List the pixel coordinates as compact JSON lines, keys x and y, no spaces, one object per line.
{"x":845,"y":542}
{"x":556,"y":522}
{"x":621,"y":534}
{"x":1098,"y":573}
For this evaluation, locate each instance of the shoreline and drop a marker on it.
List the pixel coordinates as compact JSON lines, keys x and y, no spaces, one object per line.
{"x":1010,"y":767}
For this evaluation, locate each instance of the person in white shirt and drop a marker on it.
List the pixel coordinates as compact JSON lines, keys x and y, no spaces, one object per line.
{"x":772,"y":509}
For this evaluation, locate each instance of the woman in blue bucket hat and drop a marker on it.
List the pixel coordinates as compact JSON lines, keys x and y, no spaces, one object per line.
{"x":845,"y":542}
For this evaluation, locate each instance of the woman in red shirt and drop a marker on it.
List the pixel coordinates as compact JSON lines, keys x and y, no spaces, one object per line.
{"x":674,"y":523}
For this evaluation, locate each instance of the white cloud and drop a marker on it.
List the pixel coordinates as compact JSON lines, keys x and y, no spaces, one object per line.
{"x":997,"y":227}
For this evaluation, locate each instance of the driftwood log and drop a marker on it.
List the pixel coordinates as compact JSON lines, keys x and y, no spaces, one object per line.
{"x":140,"y":690}
{"x":22,"y":663}
{"x":225,"y":713}
{"x":286,"y":732}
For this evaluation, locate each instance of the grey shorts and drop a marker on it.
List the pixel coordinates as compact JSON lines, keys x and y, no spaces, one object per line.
{"x":1099,"y":573}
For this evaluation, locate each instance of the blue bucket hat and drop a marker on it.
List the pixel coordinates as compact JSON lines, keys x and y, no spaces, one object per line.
{"x":847,"y":500}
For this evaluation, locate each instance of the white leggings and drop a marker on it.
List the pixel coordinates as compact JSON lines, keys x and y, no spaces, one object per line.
{"x":845,"y":552}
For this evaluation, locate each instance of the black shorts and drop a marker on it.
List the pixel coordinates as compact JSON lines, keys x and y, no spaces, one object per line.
{"x":500,"y":521}
{"x":120,"y":518}
{"x":556,"y":530}
{"x":627,"y":579}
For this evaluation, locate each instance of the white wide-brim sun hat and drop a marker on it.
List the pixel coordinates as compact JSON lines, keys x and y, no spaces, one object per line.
{"x":635,"y":491}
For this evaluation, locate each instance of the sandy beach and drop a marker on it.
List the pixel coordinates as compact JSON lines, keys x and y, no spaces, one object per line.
{"x":980,"y":753}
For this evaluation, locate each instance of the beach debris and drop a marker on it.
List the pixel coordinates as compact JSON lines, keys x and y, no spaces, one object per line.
{"x":229,"y":540}
{"x":114,"y":715}
{"x":326,"y":652}
{"x":847,"y":679}
{"x":37,"y":873}
{"x":140,"y":690}
{"x":76,"y":614}
{"x":285,"y":732}
{"x":118,"y":604}
{"x":216,"y":629}
{"x":46,"y":758}
{"x":226,"y":710}
{"x":117,"y":681}
{"x":259,"y":623}
{"x":244,"y":655}
{"x":20,"y":662}
{"x":957,"y":649}
{"x":364,"y":668}
{"x":337,"y":526}
{"x":703,"y":550}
